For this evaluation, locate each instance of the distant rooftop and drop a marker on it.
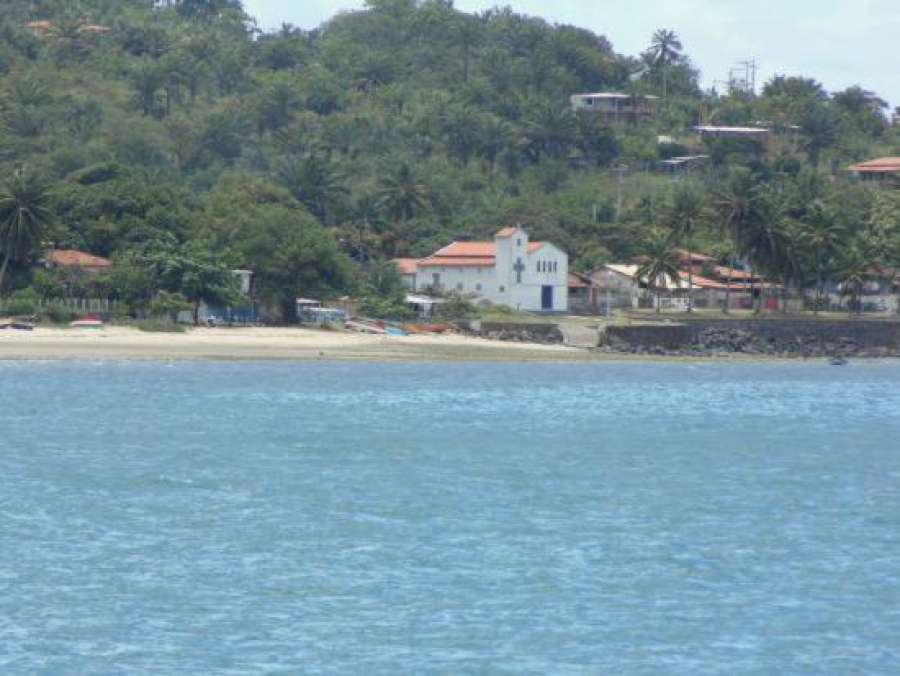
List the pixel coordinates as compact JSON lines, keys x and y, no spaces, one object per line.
{"x":618,"y":95}
{"x":70,"y":258}
{"x":744,"y":131}
{"x":881,"y":165}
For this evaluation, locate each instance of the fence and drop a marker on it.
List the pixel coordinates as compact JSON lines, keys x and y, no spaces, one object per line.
{"x":83,"y":306}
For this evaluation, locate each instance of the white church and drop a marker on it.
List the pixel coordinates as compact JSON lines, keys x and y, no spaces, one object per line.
{"x":511,"y":271}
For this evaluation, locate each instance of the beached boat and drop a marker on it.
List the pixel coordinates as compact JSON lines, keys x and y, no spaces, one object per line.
{"x":364,"y":327}
{"x":87,"y":324}
{"x":17,"y":326}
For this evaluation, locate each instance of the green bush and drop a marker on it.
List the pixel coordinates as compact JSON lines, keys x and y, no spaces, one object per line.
{"x":457,"y":307}
{"x":24,"y":302}
{"x":56,"y":313}
{"x":160,"y":325}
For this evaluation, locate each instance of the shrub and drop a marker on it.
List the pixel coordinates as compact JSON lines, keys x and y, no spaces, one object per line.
{"x":457,"y":307}
{"x":23,"y":302}
{"x":57,"y":313}
{"x":168,"y":305}
{"x":160,"y":325}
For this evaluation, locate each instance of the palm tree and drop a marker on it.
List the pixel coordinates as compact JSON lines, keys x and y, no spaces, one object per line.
{"x":401,"y":195}
{"x":25,"y":214}
{"x":316,"y":182}
{"x":468,"y":35}
{"x":684,"y":214}
{"x":822,"y":233}
{"x":736,"y":202}
{"x":665,"y":49}
{"x":550,"y":129}
{"x":852,"y":271}
{"x":147,"y":78}
{"x":660,"y":263}
{"x":766,"y":238}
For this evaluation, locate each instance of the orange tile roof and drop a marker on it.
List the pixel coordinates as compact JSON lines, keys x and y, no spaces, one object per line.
{"x":468,"y":249}
{"x":458,"y":261}
{"x":68,"y":258}
{"x":880,"y":165}
{"x":508,"y":231}
{"x":694,"y":256}
{"x":469,"y":254}
{"x":735,"y":275}
{"x":407,"y":266}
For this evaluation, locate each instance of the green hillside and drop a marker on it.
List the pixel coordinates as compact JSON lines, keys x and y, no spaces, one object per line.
{"x":181,"y":141}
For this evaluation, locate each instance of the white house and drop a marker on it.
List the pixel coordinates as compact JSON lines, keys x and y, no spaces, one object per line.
{"x":511,"y":271}
{"x":615,"y":105}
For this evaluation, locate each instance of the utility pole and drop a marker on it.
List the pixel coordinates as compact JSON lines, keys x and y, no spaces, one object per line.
{"x":620,"y":169}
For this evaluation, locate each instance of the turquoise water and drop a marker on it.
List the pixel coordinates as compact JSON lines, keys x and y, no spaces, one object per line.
{"x":338,"y":518}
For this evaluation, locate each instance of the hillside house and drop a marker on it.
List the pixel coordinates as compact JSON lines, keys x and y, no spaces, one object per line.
{"x":72,"y":259}
{"x":616,"y":106}
{"x":881,"y":171}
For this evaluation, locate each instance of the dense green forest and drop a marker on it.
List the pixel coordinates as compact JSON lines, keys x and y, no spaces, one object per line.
{"x":182,"y":141}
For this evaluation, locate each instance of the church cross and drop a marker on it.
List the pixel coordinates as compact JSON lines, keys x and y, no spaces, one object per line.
{"x":519,"y":267}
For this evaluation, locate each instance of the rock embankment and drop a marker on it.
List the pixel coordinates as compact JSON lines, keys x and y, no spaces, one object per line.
{"x":825,"y":340}
{"x":541,"y":334}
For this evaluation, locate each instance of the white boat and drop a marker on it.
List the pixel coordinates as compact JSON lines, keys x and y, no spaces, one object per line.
{"x":87,"y":324}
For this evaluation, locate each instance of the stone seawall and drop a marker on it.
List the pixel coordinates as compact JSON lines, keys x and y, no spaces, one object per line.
{"x":783,"y":337}
{"x":515,"y":332}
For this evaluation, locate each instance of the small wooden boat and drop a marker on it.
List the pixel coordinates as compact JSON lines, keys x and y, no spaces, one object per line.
{"x":87,"y":324}
{"x":364,"y":327}
{"x":17,"y":326}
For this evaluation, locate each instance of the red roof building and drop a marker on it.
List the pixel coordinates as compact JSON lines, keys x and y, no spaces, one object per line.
{"x":71,"y":258}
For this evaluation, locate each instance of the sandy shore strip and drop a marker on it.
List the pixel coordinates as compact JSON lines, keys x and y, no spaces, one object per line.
{"x":124,"y":343}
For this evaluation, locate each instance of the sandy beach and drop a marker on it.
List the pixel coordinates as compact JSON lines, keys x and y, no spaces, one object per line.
{"x":124,"y":343}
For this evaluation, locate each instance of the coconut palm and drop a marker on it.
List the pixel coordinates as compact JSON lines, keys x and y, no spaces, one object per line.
{"x":822,"y":233}
{"x":852,"y":271}
{"x":685,"y":212}
{"x":767,"y":237}
{"x":660,"y":263}
{"x":316,"y":182}
{"x":25,"y":214}
{"x":736,"y":202}
{"x":665,"y":49}
{"x":550,"y":130}
{"x":401,"y":195}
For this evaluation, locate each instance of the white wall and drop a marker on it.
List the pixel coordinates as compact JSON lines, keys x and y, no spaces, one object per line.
{"x":548,"y":266}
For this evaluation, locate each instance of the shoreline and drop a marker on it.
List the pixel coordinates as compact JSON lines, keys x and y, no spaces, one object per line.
{"x":116,"y":343}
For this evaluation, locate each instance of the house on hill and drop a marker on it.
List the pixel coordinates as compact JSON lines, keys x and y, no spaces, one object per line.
{"x":510,"y":270}
{"x":72,"y":259}
{"x":880,"y":171}
{"x":616,"y":106}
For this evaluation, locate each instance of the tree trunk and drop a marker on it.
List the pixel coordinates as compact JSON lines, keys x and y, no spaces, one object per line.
{"x":727,"y":307}
{"x":690,"y":303}
{"x":195,"y":313}
{"x":3,"y":271}
{"x":818,"y":300}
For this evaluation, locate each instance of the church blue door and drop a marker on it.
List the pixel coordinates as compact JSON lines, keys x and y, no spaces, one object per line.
{"x":546,"y":297}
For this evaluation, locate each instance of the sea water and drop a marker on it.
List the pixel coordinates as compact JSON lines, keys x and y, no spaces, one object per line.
{"x":447,"y":518}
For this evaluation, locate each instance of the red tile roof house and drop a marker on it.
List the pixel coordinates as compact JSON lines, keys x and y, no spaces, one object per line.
{"x":882,"y":171}
{"x":71,"y":259}
{"x":511,"y":271}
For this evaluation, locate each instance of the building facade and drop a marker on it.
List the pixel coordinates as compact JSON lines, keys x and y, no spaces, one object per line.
{"x":511,"y":271}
